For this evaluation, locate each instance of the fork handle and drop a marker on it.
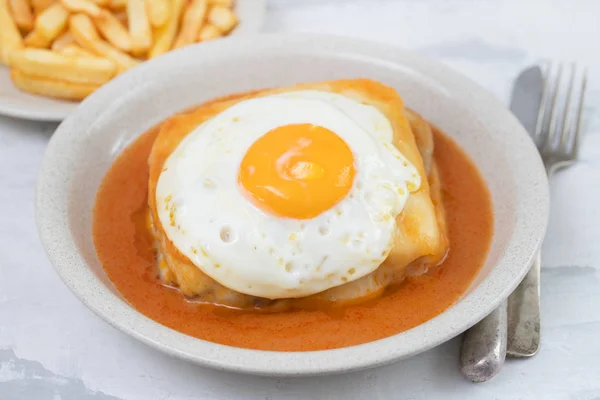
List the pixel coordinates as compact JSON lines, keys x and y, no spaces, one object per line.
{"x":524,"y":314}
{"x":484,"y":347}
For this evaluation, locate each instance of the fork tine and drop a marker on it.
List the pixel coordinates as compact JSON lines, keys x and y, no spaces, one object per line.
{"x":553,"y":113}
{"x":577,"y":140}
{"x":564,"y":135}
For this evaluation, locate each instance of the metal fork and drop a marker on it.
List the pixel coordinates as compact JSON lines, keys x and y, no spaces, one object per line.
{"x":558,"y":138}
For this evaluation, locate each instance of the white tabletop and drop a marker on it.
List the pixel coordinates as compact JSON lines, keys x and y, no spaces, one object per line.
{"x":52,"y":347}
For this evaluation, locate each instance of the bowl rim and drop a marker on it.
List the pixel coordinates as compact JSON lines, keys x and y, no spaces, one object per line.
{"x":52,"y":211}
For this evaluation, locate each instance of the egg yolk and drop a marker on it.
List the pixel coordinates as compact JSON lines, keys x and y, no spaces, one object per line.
{"x":297,"y":171}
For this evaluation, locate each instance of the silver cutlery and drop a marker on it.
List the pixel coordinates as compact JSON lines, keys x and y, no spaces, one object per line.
{"x":484,"y":345}
{"x":557,"y":136}
{"x":553,"y":119}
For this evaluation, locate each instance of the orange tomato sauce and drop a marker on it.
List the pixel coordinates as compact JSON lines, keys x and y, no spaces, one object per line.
{"x":125,"y":250}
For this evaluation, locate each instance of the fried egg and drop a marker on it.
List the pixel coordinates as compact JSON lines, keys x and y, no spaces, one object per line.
{"x":286,"y":195}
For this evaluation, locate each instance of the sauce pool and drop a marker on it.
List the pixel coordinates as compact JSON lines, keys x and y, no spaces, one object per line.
{"x":125,"y":250}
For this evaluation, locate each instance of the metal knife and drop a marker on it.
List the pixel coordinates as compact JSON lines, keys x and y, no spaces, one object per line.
{"x":484,"y":345}
{"x":526,"y":98}
{"x":524,"y":303}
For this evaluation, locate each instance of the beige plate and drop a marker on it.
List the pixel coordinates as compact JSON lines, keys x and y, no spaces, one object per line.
{"x":15,"y":103}
{"x":86,"y":143}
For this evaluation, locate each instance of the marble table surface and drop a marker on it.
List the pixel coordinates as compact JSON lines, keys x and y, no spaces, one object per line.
{"x":52,"y":347}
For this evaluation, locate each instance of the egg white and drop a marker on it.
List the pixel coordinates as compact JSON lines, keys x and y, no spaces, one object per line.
{"x":207,"y":217}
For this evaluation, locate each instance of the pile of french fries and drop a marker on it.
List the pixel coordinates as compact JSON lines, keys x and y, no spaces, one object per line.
{"x":68,"y":48}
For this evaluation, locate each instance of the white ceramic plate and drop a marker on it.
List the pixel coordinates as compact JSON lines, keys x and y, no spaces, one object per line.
{"x":15,"y":103}
{"x":86,"y":143}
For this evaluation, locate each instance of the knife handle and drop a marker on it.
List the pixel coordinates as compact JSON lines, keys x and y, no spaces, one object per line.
{"x":484,"y":347}
{"x":524,"y":314}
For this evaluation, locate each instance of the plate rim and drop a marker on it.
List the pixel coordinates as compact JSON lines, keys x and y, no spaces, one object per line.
{"x":72,"y":269}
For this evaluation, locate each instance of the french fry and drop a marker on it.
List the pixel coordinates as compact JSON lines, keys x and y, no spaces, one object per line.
{"x":74,"y":46}
{"x":72,"y":50}
{"x":122,"y":17}
{"x":86,"y":36}
{"x":158,"y":12}
{"x":62,"y":41}
{"x":52,"y":21}
{"x":139,"y":26}
{"x":124,"y":61}
{"x":223,"y":18}
{"x":52,"y":65}
{"x":51,"y":87}
{"x":165,"y":35}
{"x":82,"y":29}
{"x":224,"y":3}
{"x":21,"y":12}
{"x":209,"y":32}
{"x":85,"y":6}
{"x":37,"y":40}
{"x":117,"y":5}
{"x":10,"y":37}
{"x":41,"y":5}
{"x":193,"y":18}
{"x":114,"y":32}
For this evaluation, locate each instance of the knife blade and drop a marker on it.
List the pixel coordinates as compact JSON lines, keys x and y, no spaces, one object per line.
{"x":484,"y":346}
{"x":526,"y":98}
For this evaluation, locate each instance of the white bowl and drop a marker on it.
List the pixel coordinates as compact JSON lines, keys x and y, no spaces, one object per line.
{"x":20,"y":104}
{"x":87,"y":142}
